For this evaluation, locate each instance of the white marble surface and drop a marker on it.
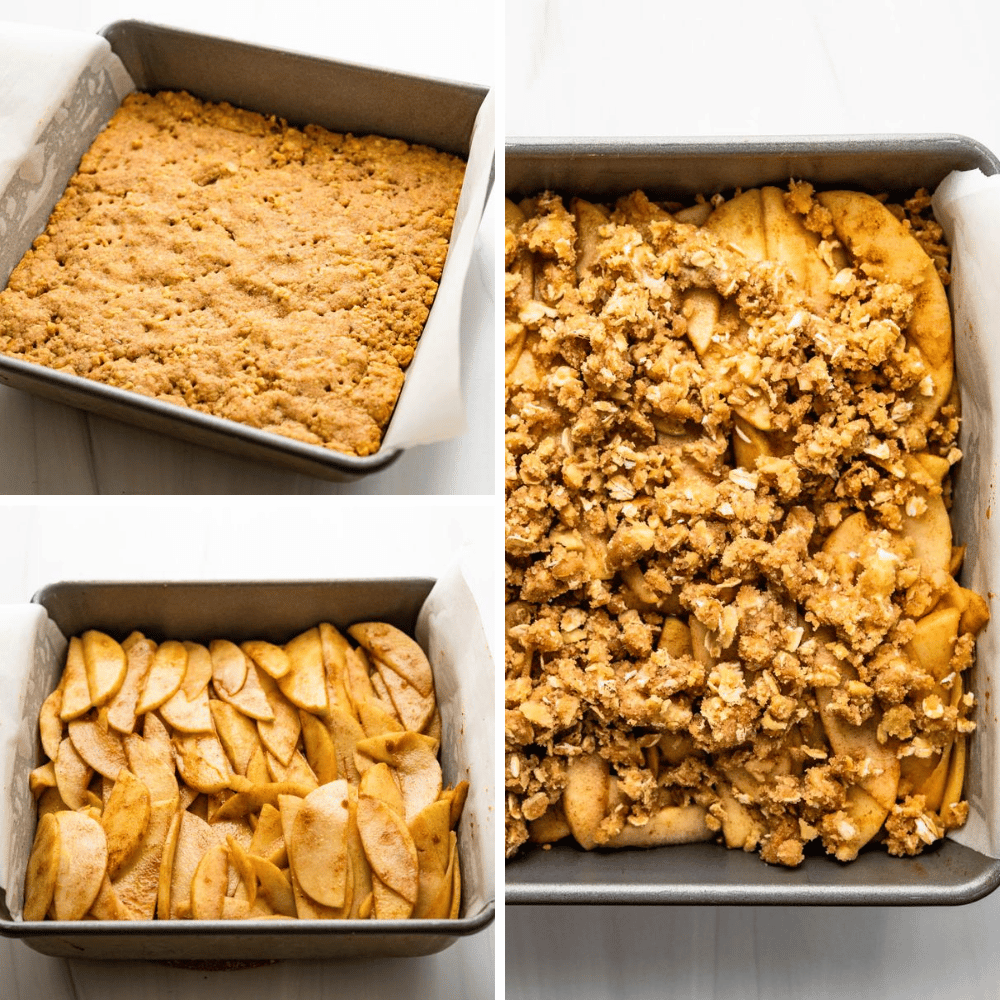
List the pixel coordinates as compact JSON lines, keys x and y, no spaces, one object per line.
{"x":777,"y":67}
{"x":48,"y":448}
{"x":283,"y":539}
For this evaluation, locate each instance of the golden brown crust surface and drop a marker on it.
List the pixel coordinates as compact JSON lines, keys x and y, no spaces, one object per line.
{"x":217,"y":259}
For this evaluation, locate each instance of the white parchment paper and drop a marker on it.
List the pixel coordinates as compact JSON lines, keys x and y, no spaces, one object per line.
{"x":33,"y":653}
{"x":967,"y":204}
{"x":449,"y":629}
{"x":57,"y":91}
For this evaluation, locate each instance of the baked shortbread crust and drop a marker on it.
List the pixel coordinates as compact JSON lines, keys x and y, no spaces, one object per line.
{"x":228,"y":262}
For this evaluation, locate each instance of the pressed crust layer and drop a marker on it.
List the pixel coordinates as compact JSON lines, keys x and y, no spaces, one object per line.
{"x":225,"y":261}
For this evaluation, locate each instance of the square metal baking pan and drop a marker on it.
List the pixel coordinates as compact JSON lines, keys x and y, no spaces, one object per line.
{"x":275,"y":612}
{"x":303,"y":90}
{"x":678,"y":169}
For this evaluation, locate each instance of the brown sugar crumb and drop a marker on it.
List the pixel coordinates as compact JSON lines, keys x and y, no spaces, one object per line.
{"x":224,"y":261}
{"x":731,"y":601}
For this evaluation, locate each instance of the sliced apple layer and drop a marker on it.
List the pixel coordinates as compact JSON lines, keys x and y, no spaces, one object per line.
{"x":238,"y":781}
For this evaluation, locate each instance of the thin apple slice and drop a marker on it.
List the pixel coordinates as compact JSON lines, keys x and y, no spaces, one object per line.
{"x":188,"y":716}
{"x":345,"y":732}
{"x":199,"y":670}
{"x":740,"y":222}
{"x":100,"y":748}
{"x":251,"y":798}
{"x":250,"y":699}
{"x":430,"y":832}
{"x":585,"y":798}
{"x":318,"y":850}
{"x":41,"y":778}
{"x":105,"y":663}
{"x":297,"y":770}
{"x":878,"y":761}
{"x":270,"y":658}
{"x":304,"y":685}
{"x":238,"y":830}
{"x":439,"y":906}
{"x":397,"y":650}
{"x":83,"y":862}
{"x":381,"y":691}
{"x":865,"y":817}
{"x":281,"y":734}
{"x":237,"y":733}
{"x":701,"y":310}
{"x":933,"y":641}
{"x":268,"y":839}
{"x":383,"y":748}
{"x":889,"y":252}
{"x":106,"y":905}
{"x":275,"y":887}
{"x":188,"y":710}
{"x":151,"y":762}
{"x":50,"y":801}
{"x":387,"y":903}
{"x":76,"y":699}
{"x":166,"y":674}
{"x":229,"y":667}
{"x":306,"y":907}
{"x":388,"y":847}
{"x":457,"y":797}
{"x":414,"y":709}
{"x":320,"y":751}
{"x":50,"y":725}
{"x":361,"y":872}
{"x":670,"y":825}
{"x":380,"y":782}
{"x":257,"y":770}
{"x":167,"y":865}
{"x":72,"y":775}
{"x":356,"y":678}
{"x":418,"y":771}
{"x":951,"y":794}
{"x":335,"y":652}
{"x":589,"y":219}
{"x":738,"y":825}
{"x":139,"y":655}
{"x":797,"y":248}
{"x":138,"y":881}
{"x":456,"y":886}
{"x":194,"y":839}
{"x":43,"y":869}
{"x":235,"y":909}
{"x":125,"y":820}
{"x":929,"y":531}
{"x":208,"y":886}
{"x":933,"y":786}
{"x":243,"y":864}
{"x":201,"y":762}
{"x":433,"y":726}
{"x":375,"y":720}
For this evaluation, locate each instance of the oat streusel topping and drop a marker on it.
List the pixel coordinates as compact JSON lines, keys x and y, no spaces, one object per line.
{"x":731,"y":603}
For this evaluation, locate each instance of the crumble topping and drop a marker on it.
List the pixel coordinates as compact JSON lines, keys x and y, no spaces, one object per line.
{"x":732,"y":609}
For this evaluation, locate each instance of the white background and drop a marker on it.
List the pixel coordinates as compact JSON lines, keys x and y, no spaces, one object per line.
{"x":286,"y":539}
{"x":768,"y":67}
{"x":48,"y":448}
